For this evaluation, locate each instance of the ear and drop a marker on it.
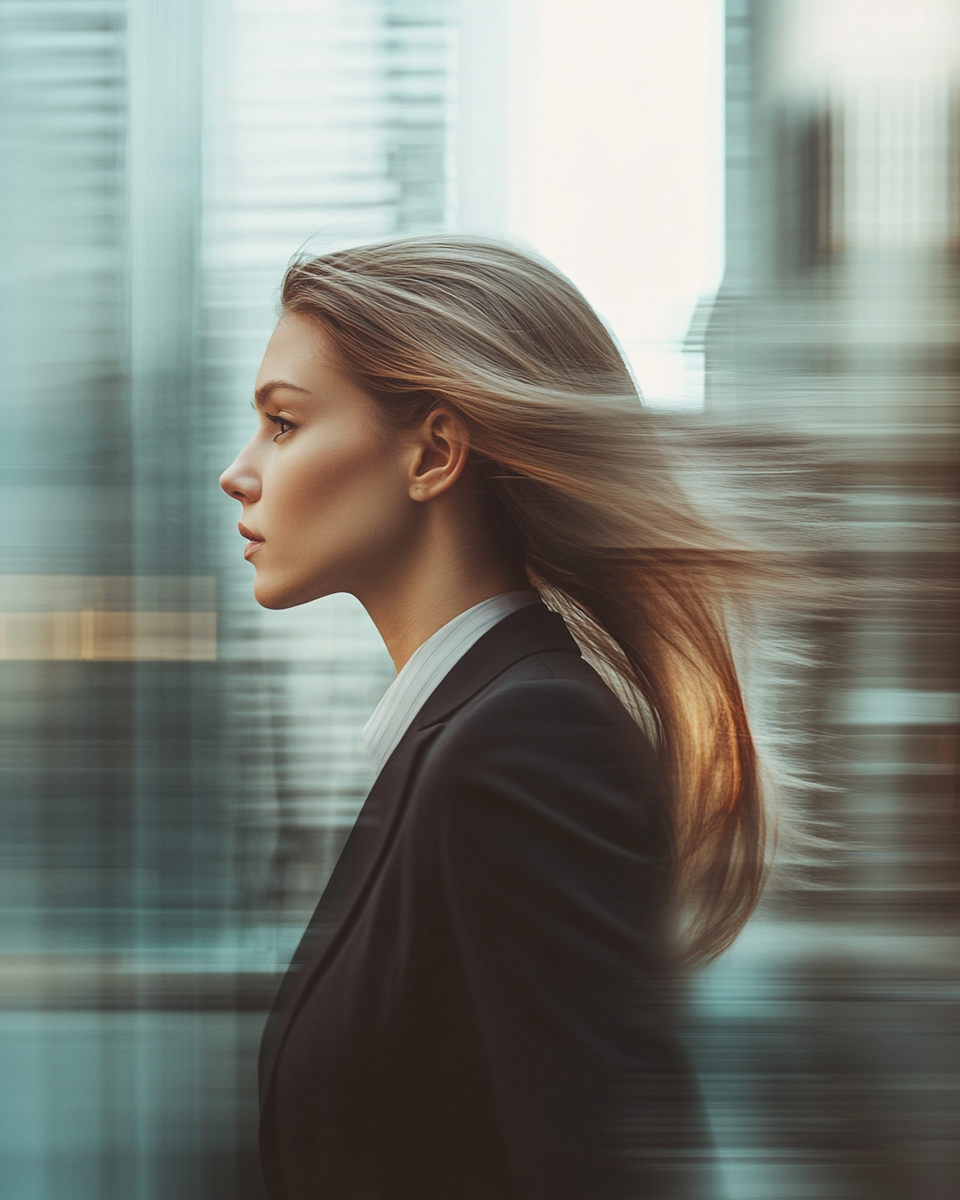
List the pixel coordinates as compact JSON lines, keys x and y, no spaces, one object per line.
{"x":442,"y":446}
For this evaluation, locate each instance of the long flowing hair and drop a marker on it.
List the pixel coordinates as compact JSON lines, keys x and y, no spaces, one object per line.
{"x":583,"y":487}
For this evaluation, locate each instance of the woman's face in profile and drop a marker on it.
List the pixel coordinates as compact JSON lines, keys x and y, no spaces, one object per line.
{"x":324,"y":487}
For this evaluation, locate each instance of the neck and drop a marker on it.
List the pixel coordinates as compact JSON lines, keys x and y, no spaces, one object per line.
{"x":446,"y":572}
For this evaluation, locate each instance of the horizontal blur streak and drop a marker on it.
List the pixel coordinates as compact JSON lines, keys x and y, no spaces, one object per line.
{"x":108,"y":593}
{"x":179,"y":769}
{"x":82,"y":617}
{"x":109,"y":636}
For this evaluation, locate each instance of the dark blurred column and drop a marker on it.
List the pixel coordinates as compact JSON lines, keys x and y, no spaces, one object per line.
{"x":164,"y":55}
{"x":181,"y":857}
{"x":171,"y":702}
{"x":833,"y":356}
{"x":836,"y":327}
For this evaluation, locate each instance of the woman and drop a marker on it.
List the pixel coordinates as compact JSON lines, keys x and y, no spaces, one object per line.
{"x":479,"y":1008}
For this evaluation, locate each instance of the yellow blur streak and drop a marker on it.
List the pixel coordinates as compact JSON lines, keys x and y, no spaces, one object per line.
{"x":108,"y":618}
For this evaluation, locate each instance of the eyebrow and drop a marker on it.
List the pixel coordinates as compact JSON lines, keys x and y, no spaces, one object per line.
{"x":263,"y":393}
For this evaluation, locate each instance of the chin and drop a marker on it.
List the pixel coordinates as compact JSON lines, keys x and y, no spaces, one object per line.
{"x":270,"y":594}
{"x":274,"y":594}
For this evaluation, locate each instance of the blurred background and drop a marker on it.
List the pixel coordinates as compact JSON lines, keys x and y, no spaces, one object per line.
{"x":763,"y":199}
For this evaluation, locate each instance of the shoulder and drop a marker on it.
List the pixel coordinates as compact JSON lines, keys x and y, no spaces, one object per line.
{"x":550,"y":741}
{"x":549,"y":701}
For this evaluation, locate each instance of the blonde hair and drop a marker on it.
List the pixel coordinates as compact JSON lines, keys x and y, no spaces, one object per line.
{"x":584,"y":490}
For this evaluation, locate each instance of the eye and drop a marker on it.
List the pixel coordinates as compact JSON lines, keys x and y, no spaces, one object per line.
{"x":284,"y":425}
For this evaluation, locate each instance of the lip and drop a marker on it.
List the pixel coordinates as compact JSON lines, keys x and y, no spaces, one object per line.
{"x":254,"y":541}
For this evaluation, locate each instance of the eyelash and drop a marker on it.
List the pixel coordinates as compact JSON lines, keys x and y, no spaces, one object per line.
{"x":281,"y":421}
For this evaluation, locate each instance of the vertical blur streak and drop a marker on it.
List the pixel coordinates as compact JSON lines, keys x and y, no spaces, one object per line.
{"x":180,"y":769}
{"x":828,"y":1037}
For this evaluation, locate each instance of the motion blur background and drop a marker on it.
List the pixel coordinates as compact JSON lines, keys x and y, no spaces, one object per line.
{"x":763,"y":199}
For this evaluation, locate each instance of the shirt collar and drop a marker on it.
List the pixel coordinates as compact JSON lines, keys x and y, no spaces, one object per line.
{"x":427,"y":666}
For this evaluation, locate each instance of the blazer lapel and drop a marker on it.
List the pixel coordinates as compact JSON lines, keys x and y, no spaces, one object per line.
{"x":355,"y":867}
{"x":527,"y":631}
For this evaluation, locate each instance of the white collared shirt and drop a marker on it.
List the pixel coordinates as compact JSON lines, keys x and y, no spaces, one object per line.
{"x":427,"y":666}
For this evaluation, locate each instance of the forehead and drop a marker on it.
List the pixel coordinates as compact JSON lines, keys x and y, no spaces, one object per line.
{"x":301,"y":371}
{"x":298,"y":350}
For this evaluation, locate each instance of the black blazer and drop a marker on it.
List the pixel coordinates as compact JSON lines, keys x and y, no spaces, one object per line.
{"x":477,"y":1009}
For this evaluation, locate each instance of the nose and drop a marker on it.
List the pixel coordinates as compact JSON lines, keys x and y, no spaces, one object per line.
{"x":240,"y":480}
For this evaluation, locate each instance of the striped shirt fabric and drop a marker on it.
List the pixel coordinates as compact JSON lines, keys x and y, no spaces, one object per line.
{"x":427,"y":666}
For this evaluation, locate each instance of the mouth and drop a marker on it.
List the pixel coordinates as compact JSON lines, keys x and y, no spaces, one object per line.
{"x":254,"y":541}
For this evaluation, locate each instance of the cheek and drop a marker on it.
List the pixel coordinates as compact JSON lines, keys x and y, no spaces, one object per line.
{"x":348,"y":487}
